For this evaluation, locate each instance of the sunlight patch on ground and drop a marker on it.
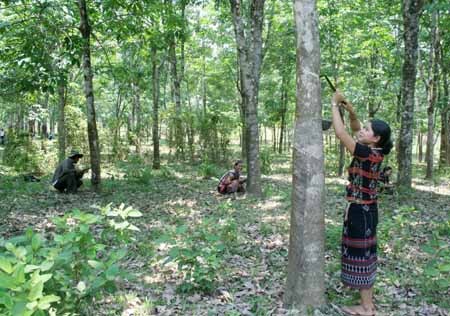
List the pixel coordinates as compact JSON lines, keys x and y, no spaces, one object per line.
{"x":182,"y":202}
{"x":275,"y":218}
{"x":442,"y":189}
{"x":340,"y":181}
{"x":269,"y":205}
{"x":286,"y":178}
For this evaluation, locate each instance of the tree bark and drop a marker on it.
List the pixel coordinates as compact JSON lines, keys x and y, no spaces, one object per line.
{"x":155,"y":95}
{"x":249,"y":48}
{"x":305,"y":285}
{"x":444,"y":155}
{"x":137,"y":117}
{"x":61,"y":121}
{"x":94,"y":149}
{"x":411,"y":13}
{"x":283,"y":116}
{"x":420,"y":147}
{"x":432,"y":94}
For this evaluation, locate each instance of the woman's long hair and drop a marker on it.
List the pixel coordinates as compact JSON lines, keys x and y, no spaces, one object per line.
{"x":382,"y":129}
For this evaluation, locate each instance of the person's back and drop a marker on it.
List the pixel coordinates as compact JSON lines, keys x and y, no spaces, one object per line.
{"x":66,"y":176}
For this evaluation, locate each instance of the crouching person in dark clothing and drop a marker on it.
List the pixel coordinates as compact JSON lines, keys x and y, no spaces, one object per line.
{"x":66,"y":177}
{"x":232,"y":182}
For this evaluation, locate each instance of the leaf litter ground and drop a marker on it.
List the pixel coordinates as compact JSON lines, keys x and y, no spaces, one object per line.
{"x":252,"y":275}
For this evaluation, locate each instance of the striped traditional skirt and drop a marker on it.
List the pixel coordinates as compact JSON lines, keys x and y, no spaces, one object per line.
{"x":359,"y":246}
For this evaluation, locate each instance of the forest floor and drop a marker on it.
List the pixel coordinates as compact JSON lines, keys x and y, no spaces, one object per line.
{"x":246,"y":275}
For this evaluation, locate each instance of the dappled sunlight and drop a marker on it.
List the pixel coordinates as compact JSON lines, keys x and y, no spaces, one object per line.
{"x":443,"y":189}
{"x":269,"y":205}
{"x":332,"y":221}
{"x":276,"y":218}
{"x":189,"y":203}
{"x":279,"y":177}
{"x":335,"y":180}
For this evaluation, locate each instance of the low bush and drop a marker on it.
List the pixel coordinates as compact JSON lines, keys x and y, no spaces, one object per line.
{"x":63,"y":274}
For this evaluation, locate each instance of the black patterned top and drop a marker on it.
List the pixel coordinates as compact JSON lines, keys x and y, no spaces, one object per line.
{"x":363,"y":174}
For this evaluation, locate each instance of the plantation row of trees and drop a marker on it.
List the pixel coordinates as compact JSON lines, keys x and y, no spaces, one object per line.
{"x":102,"y":75}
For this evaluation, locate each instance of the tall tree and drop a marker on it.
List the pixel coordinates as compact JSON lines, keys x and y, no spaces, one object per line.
{"x":94,"y":148}
{"x":249,"y":47}
{"x":431,"y":88}
{"x":305,"y":281}
{"x":156,"y":70}
{"x":412,"y":10}
{"x":61,"y":120}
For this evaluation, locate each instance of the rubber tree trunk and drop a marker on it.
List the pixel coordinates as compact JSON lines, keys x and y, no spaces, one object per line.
{"x":305,"y":286}
{"x":432,"y":94}
{"x":249,"y":47}
{"x":444,"y":155}
{"x":283,"y":104}
{"x":61,"y":121}
{"x":155,"y":113}
{"x":94,"y":148}
{"x":411,"y":13}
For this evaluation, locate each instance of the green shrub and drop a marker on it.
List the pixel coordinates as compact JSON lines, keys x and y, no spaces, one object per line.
{"x":22,"y":154}
{"x":436,"y":276}
{"x":65,"y":273}
{"x":201,"y":255}
{"x":266,"y":159}
{"x":208,"y":170}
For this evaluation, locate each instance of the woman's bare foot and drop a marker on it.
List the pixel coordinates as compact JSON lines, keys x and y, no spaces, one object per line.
{"x":359,"y":310}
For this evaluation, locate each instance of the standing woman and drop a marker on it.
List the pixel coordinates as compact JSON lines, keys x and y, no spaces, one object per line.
{"x":359,"y":242}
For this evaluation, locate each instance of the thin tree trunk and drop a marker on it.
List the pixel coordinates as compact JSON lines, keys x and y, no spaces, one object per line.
{"x":250,"y":58}
{"x":61,"y":121}
{"x":44,"y":126}
{"x":176,"y":90}
{"x":283,"y":117}
{"x":419,"y":146}
{"x":305,"y":286}
{"x":94,"y":148}
{"x":411,"y":14}
{"x":155,"y":95}
{"x":137,"y":113}
{"x":444,"y":155}
{"x":434,"y":52}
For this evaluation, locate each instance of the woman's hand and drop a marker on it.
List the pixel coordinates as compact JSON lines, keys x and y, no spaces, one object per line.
{"x":338,"y":98}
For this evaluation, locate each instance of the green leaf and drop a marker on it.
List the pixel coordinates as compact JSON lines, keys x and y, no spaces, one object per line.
{"x":20,"y":309}
{"x":81,"y":286}
{"x":36,"y":242}
{"x":444,"y":268}
{"x":7,"y":282}
{"x":31,"y":267}
{"x":84,"y":228}
{"x":19,"y":273}
{"x":45,"y":277}
{"x":121,"y":225}
{"x":431,"y":271}
{"x":5,"y":265}
{"x":96,"y":264}
{"x":134,"y":213}
{"x":44,"y":302}
{"x":32,"y":305}
{"x":121,"y":253}
{"x":112,"y":272}
{"x":174,"y":252}
{"x":134,"y":228}
{"x":181,"y":229}
{"x":46,"y":265}
{"x":36,"y":291}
